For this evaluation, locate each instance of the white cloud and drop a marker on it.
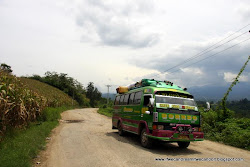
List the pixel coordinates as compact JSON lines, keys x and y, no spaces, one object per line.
{"x":181,"y":61}
{"x":125,"y":40}
{"x":244,"y":11}
{"x":195,"y":71}
{"x":117,"y":23}
{"x":229,"y":77}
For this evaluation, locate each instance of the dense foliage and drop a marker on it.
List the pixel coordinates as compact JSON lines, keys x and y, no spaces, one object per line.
{"x":67,"y":84}
{"x":93,"y":94}
{"x":241,"y":108}
{"x":221,"y":124}
{"x":106,"y":109}
{"x":231,"y":131}
{"x":5,"y":68}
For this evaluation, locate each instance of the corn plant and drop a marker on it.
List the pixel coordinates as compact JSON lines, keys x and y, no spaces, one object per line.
{"x":18,"y":104}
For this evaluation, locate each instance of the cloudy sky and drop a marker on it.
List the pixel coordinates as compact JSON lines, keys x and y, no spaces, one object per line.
{"x":119,"y":42}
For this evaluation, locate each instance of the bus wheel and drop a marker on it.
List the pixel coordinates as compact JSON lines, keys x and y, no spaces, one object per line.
{"x":120,"y":130}
{"x":145,"y":140}
{"x":183,"y":144}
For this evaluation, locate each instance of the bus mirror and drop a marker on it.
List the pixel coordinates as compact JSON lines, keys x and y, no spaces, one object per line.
{"x":147,"y":112}
{"x":152,"y":101}
{"x":208,"y":106}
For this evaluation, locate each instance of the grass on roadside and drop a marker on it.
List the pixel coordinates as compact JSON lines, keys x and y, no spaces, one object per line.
{"x":105,"y":111}
{"x":19,"y":147}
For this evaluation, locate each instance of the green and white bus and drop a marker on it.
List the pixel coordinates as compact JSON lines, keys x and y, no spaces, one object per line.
{"x":158,"y":110}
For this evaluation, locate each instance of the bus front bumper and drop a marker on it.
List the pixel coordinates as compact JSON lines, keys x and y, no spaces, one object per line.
{"x":168,"y":135}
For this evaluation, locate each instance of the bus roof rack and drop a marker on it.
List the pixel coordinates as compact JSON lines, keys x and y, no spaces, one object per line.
{"x":148,"y":82}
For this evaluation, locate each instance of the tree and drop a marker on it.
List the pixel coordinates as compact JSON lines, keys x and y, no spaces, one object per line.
{"x":67,"y":84}
{"x":6,"y":68}
{"x":93,"y":94}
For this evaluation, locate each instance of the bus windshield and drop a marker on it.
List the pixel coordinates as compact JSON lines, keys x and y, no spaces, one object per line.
{"x":175,"y":100}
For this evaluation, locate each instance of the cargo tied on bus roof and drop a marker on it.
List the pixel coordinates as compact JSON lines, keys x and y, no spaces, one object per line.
{"x":157,"y":110}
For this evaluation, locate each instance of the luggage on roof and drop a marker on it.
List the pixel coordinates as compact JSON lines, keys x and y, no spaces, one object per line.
{"x":122,"y":89}
{"x":148,"y":82}
{"x":143,"y":83}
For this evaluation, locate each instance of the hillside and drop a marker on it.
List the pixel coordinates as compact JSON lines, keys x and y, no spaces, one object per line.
{"x":215,"y":93}
{"x":111,"y":95}
{"x":54,"y":96}
{"x":24,"y":100}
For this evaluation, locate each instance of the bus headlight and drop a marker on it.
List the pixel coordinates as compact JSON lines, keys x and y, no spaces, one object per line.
{"x":180,"y":129}
{"x":160,"y":127}
{"x":197,"y":129}
{"x":190,"y":130}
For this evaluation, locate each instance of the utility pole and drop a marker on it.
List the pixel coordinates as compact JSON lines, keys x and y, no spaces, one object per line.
{"x":108,"y":94}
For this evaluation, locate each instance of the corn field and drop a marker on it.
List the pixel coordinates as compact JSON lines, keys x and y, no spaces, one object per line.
{"x":18,"y":104}
{"x":54,"y":96}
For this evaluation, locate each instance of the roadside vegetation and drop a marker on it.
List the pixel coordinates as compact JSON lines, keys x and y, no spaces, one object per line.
{"x":224,"y":125}
{"x":18,"y":104}
{"x":54,"y":97}
{"x":21,"y":146}
{"x":85,"y":97}
{"x":231,"y":131}
{"x":106,"y":109}
{"x":30,"y":108}
{"x":241,"y":108}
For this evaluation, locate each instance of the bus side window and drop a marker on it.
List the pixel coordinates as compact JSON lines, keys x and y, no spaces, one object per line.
{"x":146,"y":100}
{"x":121,"y":100}
{"x":125,"y":102}
{"x":117,"y":100}
{"x":131,"y":98}
{"x":137,"y":99}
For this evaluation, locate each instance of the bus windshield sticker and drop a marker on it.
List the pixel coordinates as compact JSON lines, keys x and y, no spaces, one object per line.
{"x":176,"y":106}
{"x":173,"y":94}
{"x":147,"y":90}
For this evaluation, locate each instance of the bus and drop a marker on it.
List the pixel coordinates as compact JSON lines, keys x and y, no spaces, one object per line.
{"x":157,"y":110}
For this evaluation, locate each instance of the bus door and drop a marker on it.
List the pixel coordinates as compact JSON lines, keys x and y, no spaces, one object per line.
{"x":147,"y":107}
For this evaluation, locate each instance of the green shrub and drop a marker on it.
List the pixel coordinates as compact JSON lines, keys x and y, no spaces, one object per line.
{"x":232,"y":131}
{"x":106,"y":111}
{"x":52,"y":114}
{"x":20,"y":146}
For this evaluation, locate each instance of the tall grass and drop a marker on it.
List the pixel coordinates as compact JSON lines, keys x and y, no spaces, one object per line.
{"x":18,"y":104}
{"x":20,"y":146}
{"x":105,"y":111}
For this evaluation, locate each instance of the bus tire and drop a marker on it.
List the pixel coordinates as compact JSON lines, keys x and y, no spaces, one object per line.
{"x":145,"y":140}
{"x":183,"y":144}
{"x":120,"y":130}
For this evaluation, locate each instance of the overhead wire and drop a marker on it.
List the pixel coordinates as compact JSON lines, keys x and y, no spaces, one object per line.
{"x":208,"y":49}
{"x":188,"y":60}
{"x":212,"y":55}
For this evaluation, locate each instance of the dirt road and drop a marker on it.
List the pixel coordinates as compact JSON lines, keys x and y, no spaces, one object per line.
{"x":85,"y":138}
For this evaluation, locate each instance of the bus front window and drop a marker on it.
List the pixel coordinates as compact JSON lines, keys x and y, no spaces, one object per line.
{"x":175,"y":100}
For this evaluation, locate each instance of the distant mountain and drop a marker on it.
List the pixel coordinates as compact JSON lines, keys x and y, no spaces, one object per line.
{"x":215,"y":93}
{"x":111,"y":95}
